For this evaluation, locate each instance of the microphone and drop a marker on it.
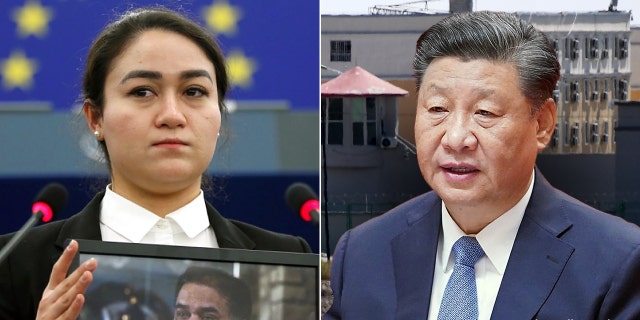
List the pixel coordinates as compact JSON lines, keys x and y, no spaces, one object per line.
{"x":50,"y":200}
{"x":301,"y":199}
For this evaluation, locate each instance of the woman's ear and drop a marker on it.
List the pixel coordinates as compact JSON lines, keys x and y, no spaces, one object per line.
{"x":92,"y":115}
{"x":546,"y":118}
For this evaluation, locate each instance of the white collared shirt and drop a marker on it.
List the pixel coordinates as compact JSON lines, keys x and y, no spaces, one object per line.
{"x":496,"y":239}
{"x":122,"y":220}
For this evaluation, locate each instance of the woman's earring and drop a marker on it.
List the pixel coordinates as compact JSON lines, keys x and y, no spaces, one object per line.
{"x":97,"y":134}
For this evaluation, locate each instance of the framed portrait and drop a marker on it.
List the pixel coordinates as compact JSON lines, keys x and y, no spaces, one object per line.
{"x":143,"y":281}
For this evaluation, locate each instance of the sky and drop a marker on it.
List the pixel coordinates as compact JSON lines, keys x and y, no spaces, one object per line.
{"x":362,"y":6}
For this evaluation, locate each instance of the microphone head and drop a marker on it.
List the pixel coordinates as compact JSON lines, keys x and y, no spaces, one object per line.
{"x":301,"y":199}
{"x":51,"y":199}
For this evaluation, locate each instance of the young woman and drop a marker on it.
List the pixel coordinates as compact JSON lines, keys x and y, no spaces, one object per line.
{"x":153,"y":89}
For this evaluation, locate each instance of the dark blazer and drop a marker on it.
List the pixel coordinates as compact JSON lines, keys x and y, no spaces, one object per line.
{"x":25,"y":274}
{"x":569,"y":261}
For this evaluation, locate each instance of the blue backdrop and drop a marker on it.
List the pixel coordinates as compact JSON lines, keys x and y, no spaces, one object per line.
{"x":270,"y":46}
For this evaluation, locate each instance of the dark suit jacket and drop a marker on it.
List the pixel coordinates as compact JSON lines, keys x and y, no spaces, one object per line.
{"x":25,"y":274}
{"x":568,"y":261}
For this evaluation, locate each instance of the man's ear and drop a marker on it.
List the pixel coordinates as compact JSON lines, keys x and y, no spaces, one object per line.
{"x":92,"y":115}
{"x":546,"y":119}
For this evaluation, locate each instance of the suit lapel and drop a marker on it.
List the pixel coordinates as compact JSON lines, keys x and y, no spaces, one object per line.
{"x":84,"y":225}
{"x":227,"y":234}
{"x":414,"y":254}
{"x":538,"y":256}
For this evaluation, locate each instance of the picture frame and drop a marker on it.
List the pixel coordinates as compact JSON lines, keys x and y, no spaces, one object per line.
{"x":139,"y":281}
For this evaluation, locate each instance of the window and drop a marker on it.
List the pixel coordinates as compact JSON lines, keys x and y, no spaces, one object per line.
{"x":575,"y":134}
{"x":341,"y":50}
{"x":587,"y":89}
{"x":556,"y":47}
{"x":575,"y":49}
{"x":567,"y":93}
{"x":595,"y":132}
{"x":587,"y":133}
{"x":372,"y":138}
{"x":605,"y":89}
{"x":623,"y":48}
{"x":622,"y":92}
{"x":586,"y":47}
{"x":363,"y":114}
{"x":555,"y":139}
{"x":335,"y":116}
{"x":575,"y":91}
{"x":349,"y":121}
{"x":594,"y":51}
{"x":556,"y":96}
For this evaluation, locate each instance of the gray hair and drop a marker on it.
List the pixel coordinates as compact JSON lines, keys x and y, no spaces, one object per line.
{"x":495,"y":36}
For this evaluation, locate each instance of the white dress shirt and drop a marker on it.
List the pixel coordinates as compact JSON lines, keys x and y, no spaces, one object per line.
{"x":121,"y":220}
{"x":496,"y":239}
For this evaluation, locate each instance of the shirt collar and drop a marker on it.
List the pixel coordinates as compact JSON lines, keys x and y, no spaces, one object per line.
{"x":138,"y":221}
{"x":496,"y":239}
{"x":192,"y":218}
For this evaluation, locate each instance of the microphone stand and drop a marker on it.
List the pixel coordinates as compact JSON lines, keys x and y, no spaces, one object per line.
{"x":6,"y":250}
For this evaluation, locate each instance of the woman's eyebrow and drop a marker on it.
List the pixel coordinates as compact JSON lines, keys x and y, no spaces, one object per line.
{"x":141,"y":74}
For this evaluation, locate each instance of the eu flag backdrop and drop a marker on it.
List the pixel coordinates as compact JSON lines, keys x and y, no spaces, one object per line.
{"x":272,"y":47}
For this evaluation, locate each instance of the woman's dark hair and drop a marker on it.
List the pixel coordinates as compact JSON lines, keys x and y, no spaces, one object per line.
{"x":114,"y":39}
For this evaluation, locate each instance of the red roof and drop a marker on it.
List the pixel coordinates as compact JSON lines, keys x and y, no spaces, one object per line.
{"x":358,"y":82}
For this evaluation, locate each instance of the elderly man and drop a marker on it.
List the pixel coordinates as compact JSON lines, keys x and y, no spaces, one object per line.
{"x":494,"y":240}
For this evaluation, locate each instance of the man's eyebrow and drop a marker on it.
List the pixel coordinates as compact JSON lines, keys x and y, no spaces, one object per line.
{"x":185,"y":75}
{"x":141,"y":74}
{"x":203,"y":310}
{"x":438,"y":88}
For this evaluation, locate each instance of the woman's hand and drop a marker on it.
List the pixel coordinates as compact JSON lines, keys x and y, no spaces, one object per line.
{"x":63,"y":297}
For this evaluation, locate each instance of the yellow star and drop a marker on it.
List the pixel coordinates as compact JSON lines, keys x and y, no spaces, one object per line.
{"x":240,"y":69}
{"x":32,"y":19}
{"x":222,"y":17}
{"x":17,"y":71}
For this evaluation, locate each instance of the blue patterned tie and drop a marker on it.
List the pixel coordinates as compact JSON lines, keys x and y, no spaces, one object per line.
{"x":460,"y":300}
